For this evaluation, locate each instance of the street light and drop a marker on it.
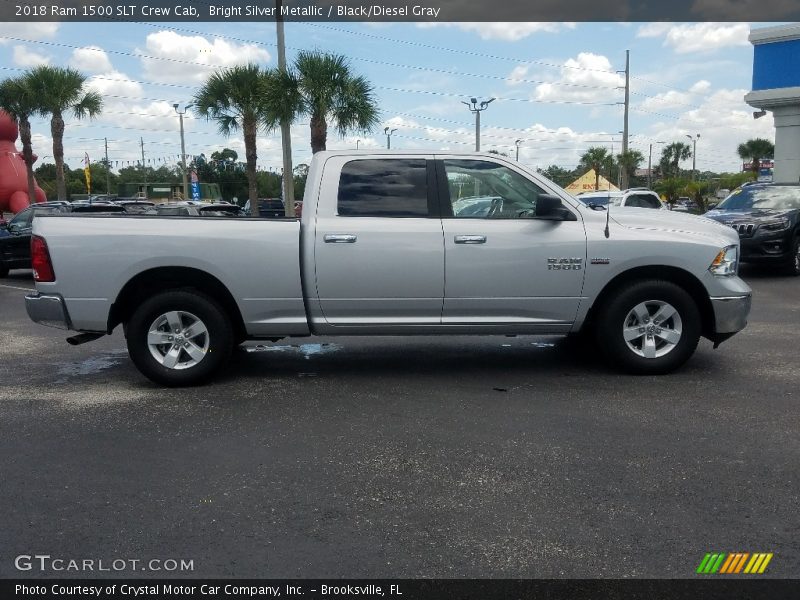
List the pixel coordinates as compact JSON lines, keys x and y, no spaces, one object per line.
{"x":517,"y":144}
{"x":477,"y":108}
{"x":183,"y":149}
{"x":694,"y":153}
{"x":389,"y":132}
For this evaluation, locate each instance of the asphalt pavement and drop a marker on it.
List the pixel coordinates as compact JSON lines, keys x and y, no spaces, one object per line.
{"x":403,"y":457}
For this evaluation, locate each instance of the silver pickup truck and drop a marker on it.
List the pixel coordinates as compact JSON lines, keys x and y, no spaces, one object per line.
{"x":404,"y":243}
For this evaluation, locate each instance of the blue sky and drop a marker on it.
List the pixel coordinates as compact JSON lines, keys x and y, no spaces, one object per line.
{"x":556,"y":85}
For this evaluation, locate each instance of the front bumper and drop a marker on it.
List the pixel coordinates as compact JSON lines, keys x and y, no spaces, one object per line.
{"x":771,"y":248}
{"x":48,"y":309}
{"x":730,"y":315}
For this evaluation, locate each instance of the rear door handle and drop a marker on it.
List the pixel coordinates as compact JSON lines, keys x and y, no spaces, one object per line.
{"x":340,"y":239}
{"x":470,"y":239}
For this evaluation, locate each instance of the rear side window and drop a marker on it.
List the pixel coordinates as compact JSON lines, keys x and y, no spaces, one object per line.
{"x":396,"y":187}
{"x":643,"y":201}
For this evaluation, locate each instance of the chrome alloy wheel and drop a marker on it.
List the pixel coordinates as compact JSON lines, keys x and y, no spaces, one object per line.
{"x":178,"y":340}
{"x":652,"y":329}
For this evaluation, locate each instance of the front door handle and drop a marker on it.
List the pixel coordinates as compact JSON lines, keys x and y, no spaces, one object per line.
{"x":470,"y":239}
{"x":340,"y":239}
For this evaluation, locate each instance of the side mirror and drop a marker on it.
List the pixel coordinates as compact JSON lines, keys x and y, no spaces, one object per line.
{"x":12,"y":227}
{"x":549,"y":208}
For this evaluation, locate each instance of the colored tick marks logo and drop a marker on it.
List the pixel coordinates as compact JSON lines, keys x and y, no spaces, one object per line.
{"x":734,"y":563}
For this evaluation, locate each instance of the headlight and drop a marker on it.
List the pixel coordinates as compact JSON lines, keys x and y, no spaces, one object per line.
{"x":779,"y":225}
{"x":726,"y":263}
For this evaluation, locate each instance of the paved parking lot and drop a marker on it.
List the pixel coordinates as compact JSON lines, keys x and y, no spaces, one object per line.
{"x":443,"y":457}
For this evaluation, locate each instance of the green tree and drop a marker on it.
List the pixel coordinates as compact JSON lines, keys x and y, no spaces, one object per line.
{"x":671,"y":187}
{"x":61,"y":90}
{"x":628,"y":163}
{"x":595,"y":158}
{"x":18,"y":100}
{"x":324,"y":88}
{"x":233,"y":98}
{"x":559,"y":175}
{"x":671,"y":156}
{"x":754,"y":150}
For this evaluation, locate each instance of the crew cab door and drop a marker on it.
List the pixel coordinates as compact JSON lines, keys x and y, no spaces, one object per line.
{"x":505,"y":269}
{"x":378,"y":246}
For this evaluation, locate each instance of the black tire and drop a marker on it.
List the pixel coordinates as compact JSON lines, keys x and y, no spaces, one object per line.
{"x":793,"y":267}
{"x":217,"y":341}
{"x":3,"y":271}
{"x":618,"y":313}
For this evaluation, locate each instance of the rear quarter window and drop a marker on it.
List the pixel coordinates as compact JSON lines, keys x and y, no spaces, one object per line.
{"x":384,"y":188}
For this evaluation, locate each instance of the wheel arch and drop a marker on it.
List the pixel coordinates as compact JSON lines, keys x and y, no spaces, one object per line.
{"x":162,"y":279}
{"x":676,"y":275}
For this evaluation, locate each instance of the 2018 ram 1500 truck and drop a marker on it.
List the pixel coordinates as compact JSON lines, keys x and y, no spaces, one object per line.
{"x":394,"y":244}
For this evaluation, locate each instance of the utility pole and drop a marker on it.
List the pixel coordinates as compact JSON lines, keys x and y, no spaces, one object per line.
{"x":477,"y":109}
{"x":108,"y":171}
{"x":650,"y":169}
{"x":389,"y":133}
{"x":183,"y":150}
{"x":624,"y":174}
{"x":694,"y":153}
{"x":517,"y":144}
{"x":144,"y":170}
{"x":286,"y":134}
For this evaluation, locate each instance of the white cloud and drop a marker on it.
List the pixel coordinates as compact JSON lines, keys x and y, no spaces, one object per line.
{"x":508,"y":32}
{"x":28,"y":31}
{"x":697,"y":37}
{"x":517,"y":75}
{"x":171,"y":57}
{"x":586,"y":78}
{"x":25,"y":58}
{"x":92,"y":59}
{"x":723,"y":121}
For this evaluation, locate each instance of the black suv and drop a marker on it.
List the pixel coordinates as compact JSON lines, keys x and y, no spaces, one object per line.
{"x":15,"y":236}
{"x":767,"y":218}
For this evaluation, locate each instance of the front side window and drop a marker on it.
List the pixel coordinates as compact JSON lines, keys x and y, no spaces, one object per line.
{"x":23,"y":219}
{"x":396,"y":187}
{"x":485,"y":190}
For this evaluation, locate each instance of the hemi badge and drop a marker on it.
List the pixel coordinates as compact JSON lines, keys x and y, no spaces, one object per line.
{"x":601,"y":261}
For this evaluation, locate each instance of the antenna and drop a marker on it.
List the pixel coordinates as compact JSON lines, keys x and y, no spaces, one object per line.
{"x":608,"y":218}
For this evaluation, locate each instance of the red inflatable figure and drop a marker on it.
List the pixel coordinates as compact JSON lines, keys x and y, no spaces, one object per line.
{"x":13,"y":176}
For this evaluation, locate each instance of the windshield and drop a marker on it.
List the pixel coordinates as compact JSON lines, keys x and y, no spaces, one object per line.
{"x":767,"y":197}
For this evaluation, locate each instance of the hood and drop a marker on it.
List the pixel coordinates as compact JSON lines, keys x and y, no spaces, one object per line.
{"x":678,"y":222}
{"x":750,"y":215}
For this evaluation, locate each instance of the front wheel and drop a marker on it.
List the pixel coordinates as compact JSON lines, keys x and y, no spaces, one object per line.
{"x":179,"y":338}
{"x":649,"y":327}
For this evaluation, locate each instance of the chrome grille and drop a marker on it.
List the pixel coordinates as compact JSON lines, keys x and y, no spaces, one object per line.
{"x":744,"y":229}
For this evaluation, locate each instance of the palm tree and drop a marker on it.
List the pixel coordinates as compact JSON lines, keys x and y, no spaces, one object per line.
{"x":754,"y":150}
{"x":594,"y":158}
{"x":323,"y":87}
{"x":671,"y":156}
{"x":629,"y":161}
{"x":19,"y":102}
{"x":59,"y":90}
{"x":232,"y":98}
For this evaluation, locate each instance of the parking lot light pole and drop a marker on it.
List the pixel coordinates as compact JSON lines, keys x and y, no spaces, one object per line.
{"x":477,"y":108}
{"x":183,"y":149}
{"x":389,"y":132}
{"x":694,"y":153}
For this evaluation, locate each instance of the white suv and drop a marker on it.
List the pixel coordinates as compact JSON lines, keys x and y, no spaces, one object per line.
{"x":634,"y":197}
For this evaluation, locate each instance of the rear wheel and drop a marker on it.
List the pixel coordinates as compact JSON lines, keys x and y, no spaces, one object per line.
{"x":649,"y":327}
{"x":179,"y":338}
